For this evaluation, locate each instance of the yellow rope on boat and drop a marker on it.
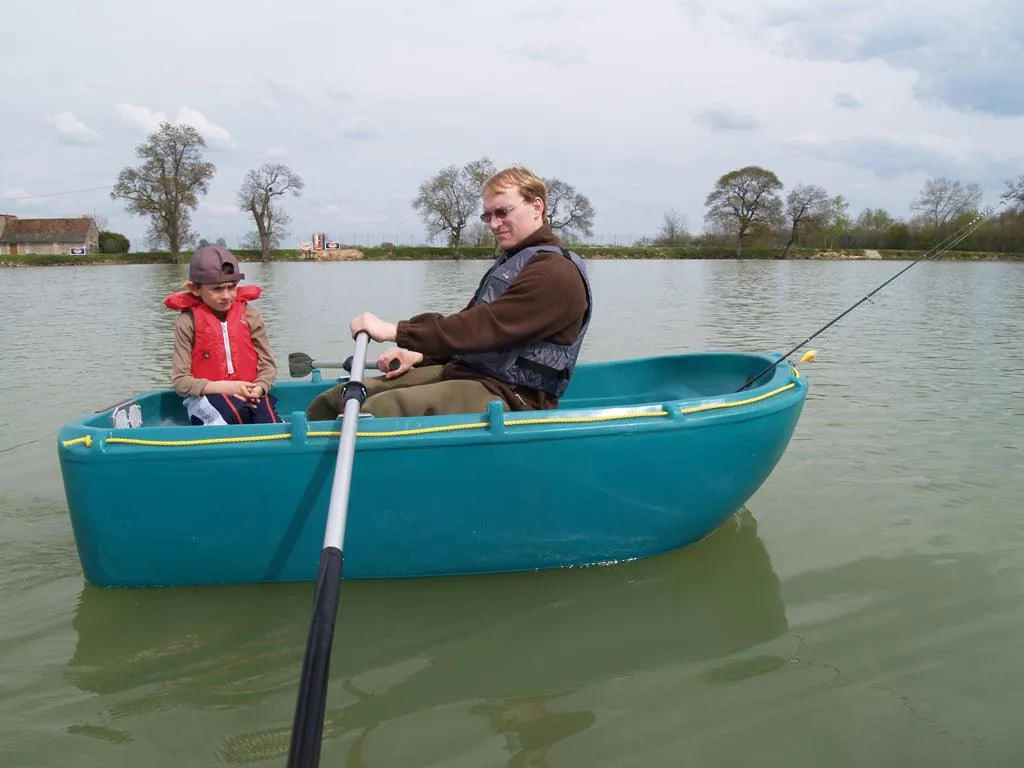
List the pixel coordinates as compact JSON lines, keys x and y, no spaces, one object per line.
{"x":516,"y":422}
{"x":204,"y":441}
{"x":87,"y":439}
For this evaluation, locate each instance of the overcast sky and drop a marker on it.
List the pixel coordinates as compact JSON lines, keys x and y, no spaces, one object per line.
{"x":640,"y":105}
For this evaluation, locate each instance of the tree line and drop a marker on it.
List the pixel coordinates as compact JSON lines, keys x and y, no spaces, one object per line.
{"x":746,"y":207}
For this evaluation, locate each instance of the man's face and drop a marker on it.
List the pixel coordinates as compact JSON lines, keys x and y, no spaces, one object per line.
{"x":511,"y":218}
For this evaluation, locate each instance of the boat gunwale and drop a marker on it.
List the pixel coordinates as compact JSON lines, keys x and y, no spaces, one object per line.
{"x":784,"y":389}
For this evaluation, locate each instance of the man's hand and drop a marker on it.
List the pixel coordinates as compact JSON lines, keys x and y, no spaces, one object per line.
{"x":406,"y":359}
{"x":378,"y":329}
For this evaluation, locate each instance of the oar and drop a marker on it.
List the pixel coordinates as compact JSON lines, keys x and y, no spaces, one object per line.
{"x":307,"y":730}
{"x":300,"y":364}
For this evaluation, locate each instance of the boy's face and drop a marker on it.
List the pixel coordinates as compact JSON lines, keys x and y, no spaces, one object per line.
{"x":217,"y":296}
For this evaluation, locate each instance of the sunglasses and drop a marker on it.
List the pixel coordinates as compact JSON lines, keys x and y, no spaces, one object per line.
{"x":498,"y":213}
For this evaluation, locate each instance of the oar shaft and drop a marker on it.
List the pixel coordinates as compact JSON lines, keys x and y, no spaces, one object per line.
{"x":334,"y":535}
{"x":307,"y":730}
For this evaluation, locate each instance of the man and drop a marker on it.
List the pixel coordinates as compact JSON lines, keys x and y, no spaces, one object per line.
{"x":518,"y":339}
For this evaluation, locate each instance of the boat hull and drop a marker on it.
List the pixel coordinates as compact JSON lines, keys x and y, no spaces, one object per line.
{"x":429,"y":496}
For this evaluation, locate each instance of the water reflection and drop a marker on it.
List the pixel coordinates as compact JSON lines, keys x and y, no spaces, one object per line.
{"x":502,"y":648}
{"x":530,"y":729}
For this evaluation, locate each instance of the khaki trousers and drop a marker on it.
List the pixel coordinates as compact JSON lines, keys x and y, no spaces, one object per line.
{"x":419,"y":392}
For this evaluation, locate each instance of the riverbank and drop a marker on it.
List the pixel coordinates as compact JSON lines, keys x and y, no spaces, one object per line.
{"x":428,"y":253}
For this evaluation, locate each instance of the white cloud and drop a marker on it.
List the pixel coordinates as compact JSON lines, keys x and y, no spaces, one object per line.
{"x":847,"y":101}
{"x":358,"y":128}
{"x":71,"y":130}
{"x":626,"y":118}
{"x":551,"y":56}
{"x":965,"y":55}
{"x":722,"y":119}
{"x":216,"y":136}
{"x":14,"y":193}
{"x":219,"y":208}
{"x":142,"y":118}
{"x":148,"y":120}
{"x":891,"y":155}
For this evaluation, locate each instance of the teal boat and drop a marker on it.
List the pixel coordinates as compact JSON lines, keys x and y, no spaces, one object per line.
{"x":642,"y":456}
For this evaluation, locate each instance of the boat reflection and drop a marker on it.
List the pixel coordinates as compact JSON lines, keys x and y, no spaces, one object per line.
{"x":502,"y":647}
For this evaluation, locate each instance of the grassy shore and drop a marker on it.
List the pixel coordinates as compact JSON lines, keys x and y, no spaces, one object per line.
{"x":424,"y":253}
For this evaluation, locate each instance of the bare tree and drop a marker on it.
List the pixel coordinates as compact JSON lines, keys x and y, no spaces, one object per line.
{"x":744,"y":200}
{"x":479,"y":235}
{"x":447,"y":201}
{"x":251,"y":241}
{"x":673,"y":231}
{"x":568,"y":211}
{"x":166,"y":187}
{"x":1014,"y":193}
{"x":943,"y":201}
{"x":806,"y":204}
{"x":261,"y":194}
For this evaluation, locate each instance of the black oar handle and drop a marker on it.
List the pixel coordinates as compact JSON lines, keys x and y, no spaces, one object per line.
{"x":347,"y":365}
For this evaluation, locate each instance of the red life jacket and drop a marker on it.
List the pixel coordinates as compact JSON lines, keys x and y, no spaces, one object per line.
{"x":212,"y":350}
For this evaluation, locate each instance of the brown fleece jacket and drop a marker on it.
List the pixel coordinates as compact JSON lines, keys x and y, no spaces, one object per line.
{"x":546,"y":301}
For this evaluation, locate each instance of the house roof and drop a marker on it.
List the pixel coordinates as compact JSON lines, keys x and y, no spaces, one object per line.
{"x":17,"y":231}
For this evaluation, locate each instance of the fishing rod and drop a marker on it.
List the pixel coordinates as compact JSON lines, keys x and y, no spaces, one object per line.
{"x":933,"y":253}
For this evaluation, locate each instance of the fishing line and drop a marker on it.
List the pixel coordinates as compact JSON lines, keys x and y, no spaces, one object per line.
{"x":933,"y":253}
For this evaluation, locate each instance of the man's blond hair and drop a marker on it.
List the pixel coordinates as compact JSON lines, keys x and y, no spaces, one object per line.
{"x":529,"y":184}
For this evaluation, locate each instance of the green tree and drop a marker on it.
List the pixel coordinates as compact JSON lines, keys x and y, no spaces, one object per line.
{"x":447,"y":201}
{"x":836,"y":221}
{"x":167,"y":185}
{"x":261,"y":194}
{"x":113,"y":242}
{"x":897,"y":237}
{"x":568,"y":211}
{"x":743,"y":201}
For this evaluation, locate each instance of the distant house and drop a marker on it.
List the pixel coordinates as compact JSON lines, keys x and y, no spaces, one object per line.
{"x":47,"y":236}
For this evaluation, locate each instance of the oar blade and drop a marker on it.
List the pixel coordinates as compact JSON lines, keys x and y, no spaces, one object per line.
{"x":299,"y":364}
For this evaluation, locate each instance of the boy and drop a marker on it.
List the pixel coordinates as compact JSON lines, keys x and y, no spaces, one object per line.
{"x":222,"y":363}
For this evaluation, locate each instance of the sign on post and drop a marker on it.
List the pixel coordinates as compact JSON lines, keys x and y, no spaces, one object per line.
{"x":331,"y":245}
{"x":76,"y":251}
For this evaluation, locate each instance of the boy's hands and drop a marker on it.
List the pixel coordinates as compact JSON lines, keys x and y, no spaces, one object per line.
{"x":249,"y":391}
{"x":254,"y":393}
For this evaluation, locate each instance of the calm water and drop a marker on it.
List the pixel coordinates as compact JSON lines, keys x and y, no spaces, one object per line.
{"x":865,"y":609}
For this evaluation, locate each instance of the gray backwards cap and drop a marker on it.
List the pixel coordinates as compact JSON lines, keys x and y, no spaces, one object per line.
{"x":214,"y":264}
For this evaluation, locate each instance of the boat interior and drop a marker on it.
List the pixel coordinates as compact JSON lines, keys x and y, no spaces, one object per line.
{"x":611,"y":384}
